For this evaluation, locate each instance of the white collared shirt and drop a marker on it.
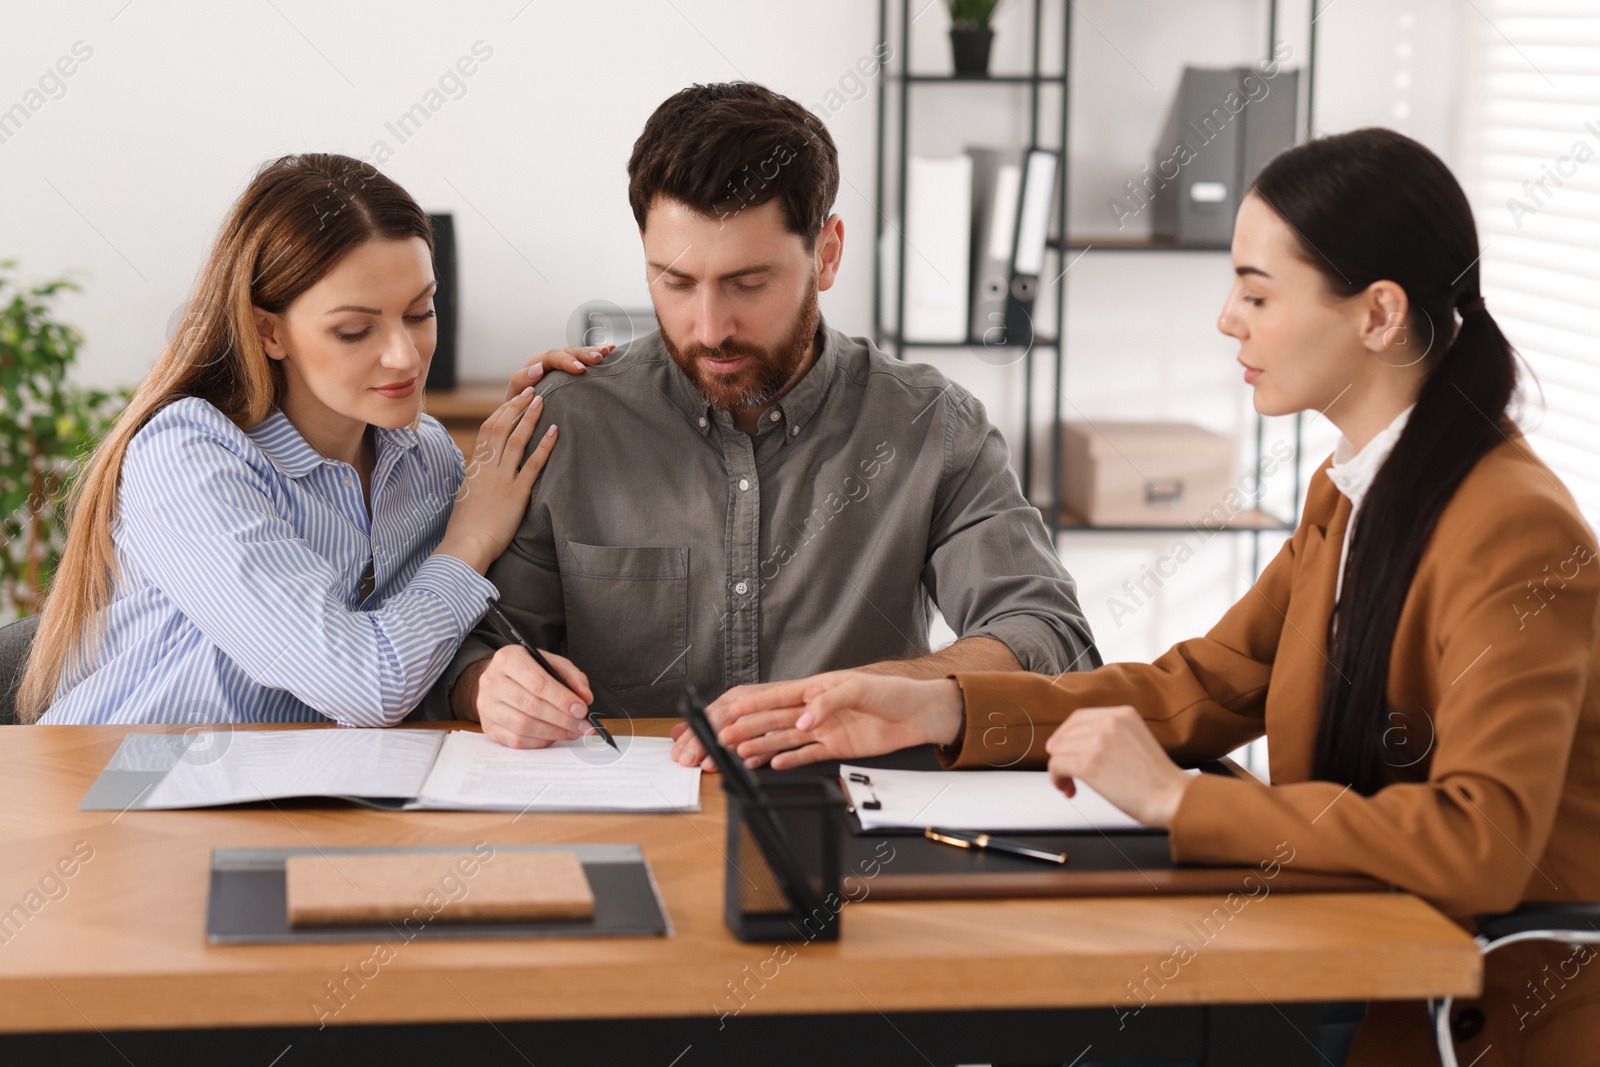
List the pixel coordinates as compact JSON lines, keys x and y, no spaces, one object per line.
{"x":1352,"y":473}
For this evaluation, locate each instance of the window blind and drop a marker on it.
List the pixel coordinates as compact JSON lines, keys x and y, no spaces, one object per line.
{"x":1530,"y":162}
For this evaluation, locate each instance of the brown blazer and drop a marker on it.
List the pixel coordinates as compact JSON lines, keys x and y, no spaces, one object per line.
{"x":1494,"y":789}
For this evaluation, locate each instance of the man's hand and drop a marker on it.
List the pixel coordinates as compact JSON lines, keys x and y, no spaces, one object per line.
{"x":840,"y":715}
{"x":1113,"y":752}
{"x":520,"y":706}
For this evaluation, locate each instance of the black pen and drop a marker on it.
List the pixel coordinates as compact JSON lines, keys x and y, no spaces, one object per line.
{"x":538,"y":657}
{"x":961,"y":840}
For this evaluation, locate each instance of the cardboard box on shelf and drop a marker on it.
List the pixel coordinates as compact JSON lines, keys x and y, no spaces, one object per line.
{"x":1143,"y":473}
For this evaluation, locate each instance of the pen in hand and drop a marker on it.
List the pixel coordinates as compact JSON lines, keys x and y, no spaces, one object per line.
{"x":510,"y":629}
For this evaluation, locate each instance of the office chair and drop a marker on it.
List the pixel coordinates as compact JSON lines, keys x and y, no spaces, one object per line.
{"x":16,"y":640}
{"x":1568,"y":923}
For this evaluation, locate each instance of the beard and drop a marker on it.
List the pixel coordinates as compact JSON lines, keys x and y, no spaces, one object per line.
{"x":766,"y":371}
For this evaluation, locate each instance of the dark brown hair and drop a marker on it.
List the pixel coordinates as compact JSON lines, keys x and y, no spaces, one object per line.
{"x":1368,"y":205}
{"x":734,"y":145}
{"x":299,"y":216}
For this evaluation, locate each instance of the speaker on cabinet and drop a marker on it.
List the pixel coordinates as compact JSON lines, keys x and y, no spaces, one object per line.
{"x":446,"y":302}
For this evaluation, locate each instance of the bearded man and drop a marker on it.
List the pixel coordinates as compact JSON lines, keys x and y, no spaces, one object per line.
{"x":746,"y":495}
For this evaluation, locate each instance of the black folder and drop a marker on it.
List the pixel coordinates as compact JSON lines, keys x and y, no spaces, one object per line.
{"x":903,"y":865}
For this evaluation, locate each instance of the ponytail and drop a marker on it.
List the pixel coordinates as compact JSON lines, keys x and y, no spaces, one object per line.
{"x":1459,"y":417}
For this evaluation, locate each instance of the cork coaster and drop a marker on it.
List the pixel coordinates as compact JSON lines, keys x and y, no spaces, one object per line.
{"x":340,"y":890}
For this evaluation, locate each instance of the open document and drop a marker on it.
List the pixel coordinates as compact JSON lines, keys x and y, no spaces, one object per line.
{"x":405,"y":769}
{"x":475,"y":773}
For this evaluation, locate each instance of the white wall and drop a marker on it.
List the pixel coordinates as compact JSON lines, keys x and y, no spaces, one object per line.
{"x":125,"y":176}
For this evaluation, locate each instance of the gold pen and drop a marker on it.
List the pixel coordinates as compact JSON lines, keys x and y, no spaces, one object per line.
{"x":984,"y":841}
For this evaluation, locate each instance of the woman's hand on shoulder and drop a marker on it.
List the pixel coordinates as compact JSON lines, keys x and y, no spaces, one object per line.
{"x":574,"y":358}
{"x":494,"y":494}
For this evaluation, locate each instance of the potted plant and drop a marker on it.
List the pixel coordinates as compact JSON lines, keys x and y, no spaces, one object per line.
{"x":46,"y":426}
{"x":970,"y":36}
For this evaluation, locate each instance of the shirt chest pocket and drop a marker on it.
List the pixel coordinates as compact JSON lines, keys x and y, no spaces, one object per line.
{"x":627,"y":612}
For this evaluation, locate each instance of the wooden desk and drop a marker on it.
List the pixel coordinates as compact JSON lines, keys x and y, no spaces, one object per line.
{"x":462,"y":410}
{"x":122,"y":949}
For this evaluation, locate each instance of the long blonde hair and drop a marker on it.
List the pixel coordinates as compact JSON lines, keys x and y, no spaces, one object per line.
{"x":299,"y":216}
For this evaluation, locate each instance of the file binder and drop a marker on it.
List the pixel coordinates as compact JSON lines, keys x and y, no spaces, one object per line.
{"x":996,"y":185}
{"x":1035,"y":202}
{"x":1224,"y":125}
{"x":938,"y":228}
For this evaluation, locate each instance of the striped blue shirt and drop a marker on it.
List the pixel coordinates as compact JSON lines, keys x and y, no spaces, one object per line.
{"x":240,"y":560}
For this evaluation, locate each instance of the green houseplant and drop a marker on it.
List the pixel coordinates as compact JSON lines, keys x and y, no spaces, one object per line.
{"x":47,"y":425}
{"x":970,"y":36}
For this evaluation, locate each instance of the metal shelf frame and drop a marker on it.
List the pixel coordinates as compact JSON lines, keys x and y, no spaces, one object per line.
{"x":899,"y":84}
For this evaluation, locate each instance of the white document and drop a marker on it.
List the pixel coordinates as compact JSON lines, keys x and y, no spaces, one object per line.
{"x":1000,"y":801}
{"x":242,"y":766}
{"x":584,"y":775}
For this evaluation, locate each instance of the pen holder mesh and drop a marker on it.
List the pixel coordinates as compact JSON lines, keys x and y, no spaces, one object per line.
{"x":810,"y":814}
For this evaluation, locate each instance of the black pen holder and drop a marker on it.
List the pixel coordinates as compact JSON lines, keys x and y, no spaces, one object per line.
{"x":808,"y":815}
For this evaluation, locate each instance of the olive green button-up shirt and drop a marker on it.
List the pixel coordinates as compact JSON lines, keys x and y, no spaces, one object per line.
{"x":664,"y":547}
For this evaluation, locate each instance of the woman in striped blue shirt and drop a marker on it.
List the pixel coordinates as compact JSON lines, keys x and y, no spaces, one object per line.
{"x":273,"y":531}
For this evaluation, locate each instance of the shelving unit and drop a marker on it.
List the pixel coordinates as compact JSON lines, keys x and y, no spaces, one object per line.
{"x":899,"y":84}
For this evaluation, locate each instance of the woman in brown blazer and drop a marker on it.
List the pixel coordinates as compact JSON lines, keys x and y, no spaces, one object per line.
{"x":1421,"y":655}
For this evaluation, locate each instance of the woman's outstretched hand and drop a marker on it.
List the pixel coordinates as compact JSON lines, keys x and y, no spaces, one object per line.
{"x":839,"y":715}
{"x":494,"y":495}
